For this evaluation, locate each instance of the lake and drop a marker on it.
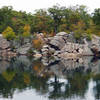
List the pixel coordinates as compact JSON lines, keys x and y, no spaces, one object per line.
{"x":27,"y":78}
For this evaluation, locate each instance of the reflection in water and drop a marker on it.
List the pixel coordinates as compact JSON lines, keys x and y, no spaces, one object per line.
{"x":26,"y":78}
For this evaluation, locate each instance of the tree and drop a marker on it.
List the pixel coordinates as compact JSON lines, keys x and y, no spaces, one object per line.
{"x":5,"y":17}
{"x":96,"y":16}
{"x":83,"y":12}
{"x":42,"y":22}
{"x":8,"y":33}
{"x":26,"y":31}
{"x":79,"y":29}
{"x":57,"y":14}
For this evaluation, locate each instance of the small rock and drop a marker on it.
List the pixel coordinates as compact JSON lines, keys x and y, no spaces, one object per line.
{"x":38,"y":55}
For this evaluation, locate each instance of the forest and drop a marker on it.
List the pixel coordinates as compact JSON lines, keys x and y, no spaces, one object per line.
{"x":49,"y":21}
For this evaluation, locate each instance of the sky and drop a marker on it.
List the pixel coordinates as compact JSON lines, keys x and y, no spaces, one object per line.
{"x":31,"y":5}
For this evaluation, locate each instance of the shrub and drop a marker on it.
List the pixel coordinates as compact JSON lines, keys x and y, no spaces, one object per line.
{"x":37,"y":43}
{"x":26,"y":31}
{"x":8,"y":33}
{"x":26,"y":34}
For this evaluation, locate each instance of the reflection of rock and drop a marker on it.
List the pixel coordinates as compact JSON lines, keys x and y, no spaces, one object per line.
{"x":63,"y":67}
{"x":22,"y":61}
{"x":3,"y":66}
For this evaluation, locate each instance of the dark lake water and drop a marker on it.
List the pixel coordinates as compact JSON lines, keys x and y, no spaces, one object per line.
{"x":26,"y":78}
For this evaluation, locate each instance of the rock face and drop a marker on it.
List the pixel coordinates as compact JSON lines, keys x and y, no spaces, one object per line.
{"x":65,"y":46}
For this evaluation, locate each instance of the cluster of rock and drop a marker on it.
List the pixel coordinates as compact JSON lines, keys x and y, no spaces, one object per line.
{"x":9,"y":49}
{"x":5,"y":50}
{"x":64,"y":45}
{"x":22,"y":45}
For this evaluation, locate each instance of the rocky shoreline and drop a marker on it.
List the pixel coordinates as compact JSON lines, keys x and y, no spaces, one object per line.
{"x":62,"y":45}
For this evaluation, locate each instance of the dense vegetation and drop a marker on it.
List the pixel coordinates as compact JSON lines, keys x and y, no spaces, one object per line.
{"x":55,"y":19}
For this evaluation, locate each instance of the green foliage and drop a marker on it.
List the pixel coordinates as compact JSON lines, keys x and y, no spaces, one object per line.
{"x":78,"y":29}
{"x":96,"y":16}
{"x":56,"y":13}
{"x":8,"y":33}
{"x":51,"y":21}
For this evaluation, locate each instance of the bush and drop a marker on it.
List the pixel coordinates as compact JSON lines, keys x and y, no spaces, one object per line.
{"x":26,"y":34}
{"x":26,"y":31}
{"x":8,"y":33}
{"x":37,"y":43}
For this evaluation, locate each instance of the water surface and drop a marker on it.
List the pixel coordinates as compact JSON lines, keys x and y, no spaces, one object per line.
{"x":25,"y":78}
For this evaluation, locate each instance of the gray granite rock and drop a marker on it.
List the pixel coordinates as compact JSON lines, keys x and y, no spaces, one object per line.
{"x":4,"y":44}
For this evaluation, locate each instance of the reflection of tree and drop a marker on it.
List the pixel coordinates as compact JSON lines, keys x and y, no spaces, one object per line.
{"x":26,"y":78}
{"x":8,"y":75}
{"x":57,"y":92}
{"x":97,"y":87}
{"x":78,"y":84}
{"x":40,"y":84}
{"x":20,"y":77}
{"x":21,"y":80}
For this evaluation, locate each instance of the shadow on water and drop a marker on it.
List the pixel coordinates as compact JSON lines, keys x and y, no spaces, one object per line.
{"x":57,"y":79}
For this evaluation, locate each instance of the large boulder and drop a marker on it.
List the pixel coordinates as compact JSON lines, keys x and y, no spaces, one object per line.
{"x":4,"y":44}
{"x":59,"y":40}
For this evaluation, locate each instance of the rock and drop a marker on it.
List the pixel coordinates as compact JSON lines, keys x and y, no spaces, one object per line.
{"x":57,"y":53}
{"x":68,"y":46}
{"x":52,"y":49}
{"x":38,"y":55}
{"x":24,"y":49}
{"x":61,"y":34}
{"x":4,"y":44}
{"x":3,"y":66}
{"x":87,"y":50}
{"x":45,"y":46}
{"x":1,"y":35}
{"x":80,"y":50}
{"x":58,"y":42}
{"x":26,"y":40}
{"x":43,"y":50}
{"x":66,"y":55}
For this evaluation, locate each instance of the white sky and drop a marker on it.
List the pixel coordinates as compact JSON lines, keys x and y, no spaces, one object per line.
{"x":31,"y":5}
